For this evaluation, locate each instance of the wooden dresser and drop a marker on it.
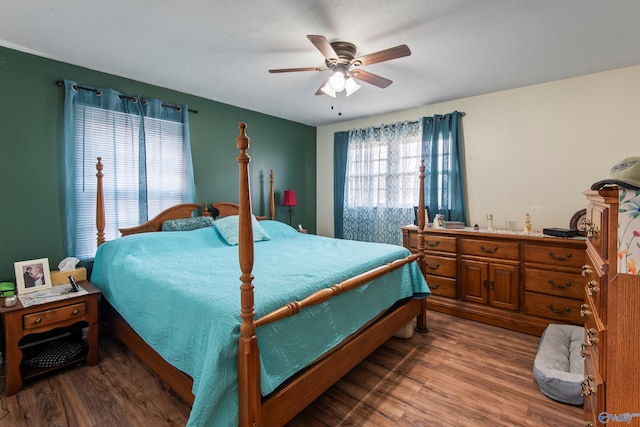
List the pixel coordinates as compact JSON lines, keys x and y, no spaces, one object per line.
{"x":611,"y":312}
{"x":516,"y":281}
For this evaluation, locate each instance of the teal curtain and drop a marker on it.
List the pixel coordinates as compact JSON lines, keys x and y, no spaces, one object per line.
{"x":445,"y":189}
{"x":340,"y":147}
{"x":146,"y":154}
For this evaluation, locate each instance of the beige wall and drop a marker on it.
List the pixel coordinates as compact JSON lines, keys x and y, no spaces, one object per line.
{"x":527,"y":150}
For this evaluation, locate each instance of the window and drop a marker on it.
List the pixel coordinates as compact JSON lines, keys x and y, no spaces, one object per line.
{"x":376,"y":176}
{"x":147,"y":168}
{"x":381,"y":181}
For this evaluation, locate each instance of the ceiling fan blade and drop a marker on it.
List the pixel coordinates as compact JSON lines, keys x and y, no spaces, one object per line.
{"x":322,"y":44}
{"x":368,"y":77}
{"x":383,"y":55}
{"x":319,"y":91}
{"x":290,"y":70}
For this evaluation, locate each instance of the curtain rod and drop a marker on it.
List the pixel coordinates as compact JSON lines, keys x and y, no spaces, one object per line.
{"x":442,"y":117}
{"x":98,"y":91}
{"x":418,"y":121}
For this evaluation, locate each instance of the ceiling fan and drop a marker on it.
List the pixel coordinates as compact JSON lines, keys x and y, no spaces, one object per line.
{"x":340,"y":59}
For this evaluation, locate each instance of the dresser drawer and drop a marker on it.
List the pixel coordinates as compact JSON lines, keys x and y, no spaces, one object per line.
{"x":490,"y":248}
{"x":552,"y":307}
{"x":440,"y":265}
{"x":555,"y":255}
{"x":595,"y":283}
{"x":442,"y":286}
{"x":594,"y":339}
{"x":433,"y":242}
{"x":598,"y":217}
{"x":592,"y":390}
{"x":55,"y":315}
{"x":439,"y":243}
{"x":568,"y":285}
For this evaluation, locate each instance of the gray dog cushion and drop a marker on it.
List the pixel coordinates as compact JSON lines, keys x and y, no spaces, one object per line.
{"x":558,"y":367}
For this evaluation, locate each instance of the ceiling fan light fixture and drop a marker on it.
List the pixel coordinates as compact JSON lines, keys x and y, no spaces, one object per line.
{"x":337,"y":81}
{"x":328,"y":91}
{"x":351,"y":86}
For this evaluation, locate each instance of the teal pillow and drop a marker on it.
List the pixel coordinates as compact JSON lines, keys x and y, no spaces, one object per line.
{"x":228,"y":229}
{"x":187,"y":224}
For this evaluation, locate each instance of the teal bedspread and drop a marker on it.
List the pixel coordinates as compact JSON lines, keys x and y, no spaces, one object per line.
{"x":180,"y":292}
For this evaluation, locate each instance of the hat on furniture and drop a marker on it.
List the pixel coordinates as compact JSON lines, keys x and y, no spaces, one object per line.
{"x":624,"y":174}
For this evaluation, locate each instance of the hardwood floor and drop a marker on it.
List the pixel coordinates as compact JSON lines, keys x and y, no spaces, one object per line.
{"x":461,"y":373}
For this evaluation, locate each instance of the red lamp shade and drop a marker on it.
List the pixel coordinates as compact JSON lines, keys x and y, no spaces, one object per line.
{"x":289,"y":198}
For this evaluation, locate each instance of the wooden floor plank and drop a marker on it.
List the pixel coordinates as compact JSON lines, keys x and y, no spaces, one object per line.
{"x":461,"y":373}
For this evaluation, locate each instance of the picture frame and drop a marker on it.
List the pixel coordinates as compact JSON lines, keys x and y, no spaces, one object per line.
{"x":32,"y":275}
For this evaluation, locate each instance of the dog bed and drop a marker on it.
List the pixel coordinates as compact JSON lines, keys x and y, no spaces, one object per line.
{"x":558,"y":367}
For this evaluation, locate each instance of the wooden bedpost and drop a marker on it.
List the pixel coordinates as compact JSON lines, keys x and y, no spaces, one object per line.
{"x":272,"y":201}
{"x":421,"y":324}
{"x":100,"y":203}
{"x":248,"y":361}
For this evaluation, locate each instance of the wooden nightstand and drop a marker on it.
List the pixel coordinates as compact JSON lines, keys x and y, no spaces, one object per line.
{"x":39,"y":322}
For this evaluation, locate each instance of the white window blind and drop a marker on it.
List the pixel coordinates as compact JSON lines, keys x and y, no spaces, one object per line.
{"x":160,"y":169}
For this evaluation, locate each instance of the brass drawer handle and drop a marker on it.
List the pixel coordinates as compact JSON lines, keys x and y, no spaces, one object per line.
{"x":591,"y":337}
{"x":489,"y":251}
{"x":559,"y":258}
{"x":583,"y":350}
{"x":432,"y":267}
{"x":436,"y":286}
{"x":593,"y":288}
{"x":586,"y":270}
{"x":432,"y":244}
{"x":584,"y":310}
{"x":585,"y":387}
{"x":590,"y":228}
{"x":37,"y":320}
{"x":75,"y":311}
{"x":558,"y":312}
{"x":565,"y":286}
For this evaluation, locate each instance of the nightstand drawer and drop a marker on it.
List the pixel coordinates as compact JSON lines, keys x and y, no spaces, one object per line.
{"x":49,"y":317}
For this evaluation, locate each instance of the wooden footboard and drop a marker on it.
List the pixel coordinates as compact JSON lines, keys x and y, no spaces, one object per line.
{"x":287,"y":401}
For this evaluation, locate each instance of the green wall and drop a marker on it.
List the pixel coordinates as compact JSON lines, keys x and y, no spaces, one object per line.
{"x":31,"y":180}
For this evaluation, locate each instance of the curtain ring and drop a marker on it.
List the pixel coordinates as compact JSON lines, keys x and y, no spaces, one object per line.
{"x":98,"y":92}
{"x":144,"y":101}
{"x":75,"y":87}
{"x":134,"y":100}
{"x":178,"y":109}
{"x":120,"y":97}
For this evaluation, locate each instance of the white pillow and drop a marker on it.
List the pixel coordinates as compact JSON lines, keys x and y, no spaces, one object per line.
{"x":228,"y":229}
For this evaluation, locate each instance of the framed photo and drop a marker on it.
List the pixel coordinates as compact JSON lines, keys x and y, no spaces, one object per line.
{"x":426,"y":215}
{"x":33,"y":275}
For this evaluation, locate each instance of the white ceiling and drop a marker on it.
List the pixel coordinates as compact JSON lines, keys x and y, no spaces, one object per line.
{"x":221,"y":50}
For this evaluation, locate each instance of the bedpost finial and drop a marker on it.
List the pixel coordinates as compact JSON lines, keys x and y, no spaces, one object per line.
{"x":242,"y":140}
{"x":99,"y":165}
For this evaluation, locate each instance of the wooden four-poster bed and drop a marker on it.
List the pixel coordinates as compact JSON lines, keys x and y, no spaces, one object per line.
{"x":291,"y":394}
